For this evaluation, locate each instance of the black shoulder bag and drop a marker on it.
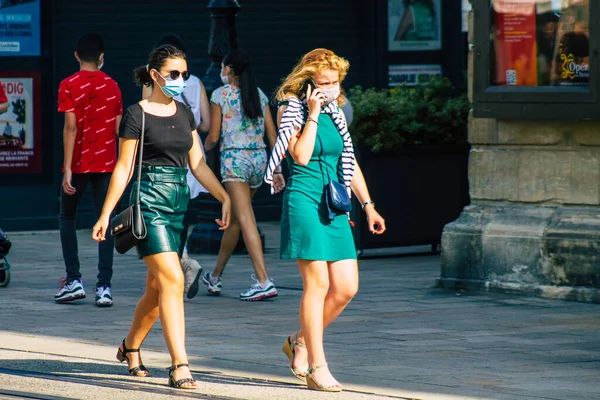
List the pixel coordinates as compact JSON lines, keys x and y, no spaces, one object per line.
{"x":336,"y":195}
{"x":128,"y":228}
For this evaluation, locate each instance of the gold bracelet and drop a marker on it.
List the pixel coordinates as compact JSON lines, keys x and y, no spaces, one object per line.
{"x":310,"y":119}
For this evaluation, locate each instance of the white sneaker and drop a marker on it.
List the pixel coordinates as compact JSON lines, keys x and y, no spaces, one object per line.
{"x":257,"y":292}
{"x":212,"y":288}
{"x":69,"y":291}
{"x":103,"y":296}
{"x":191,"y":271}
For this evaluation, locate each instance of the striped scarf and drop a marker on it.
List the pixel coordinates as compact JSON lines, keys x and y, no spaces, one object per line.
{"x":294,"y":118}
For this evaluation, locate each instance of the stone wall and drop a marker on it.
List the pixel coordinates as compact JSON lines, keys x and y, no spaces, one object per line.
{"x":533,"y":225}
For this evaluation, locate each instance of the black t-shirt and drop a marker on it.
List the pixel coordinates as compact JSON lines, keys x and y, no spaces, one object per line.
{"x":167,"y":140}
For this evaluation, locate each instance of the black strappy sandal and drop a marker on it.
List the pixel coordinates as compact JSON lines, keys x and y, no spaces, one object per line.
{"x":178,"y":384}
{"x":140,"y":370}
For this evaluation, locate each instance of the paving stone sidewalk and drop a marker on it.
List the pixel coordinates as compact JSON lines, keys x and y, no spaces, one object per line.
{"x":400,"y":337}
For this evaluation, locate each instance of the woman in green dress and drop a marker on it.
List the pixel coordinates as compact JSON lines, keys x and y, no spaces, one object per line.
{"x":314,"y":138}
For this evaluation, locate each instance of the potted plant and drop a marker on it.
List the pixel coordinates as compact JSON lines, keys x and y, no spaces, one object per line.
{"x":411,"y":143}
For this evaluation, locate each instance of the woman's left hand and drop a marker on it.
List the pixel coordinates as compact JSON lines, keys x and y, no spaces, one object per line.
{"x":225,"y":215}
{"x":375,"y":221}
{"x":278,"y":183}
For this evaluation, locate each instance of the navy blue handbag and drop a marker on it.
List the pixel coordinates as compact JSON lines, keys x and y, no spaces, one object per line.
{"x":336,"y":196}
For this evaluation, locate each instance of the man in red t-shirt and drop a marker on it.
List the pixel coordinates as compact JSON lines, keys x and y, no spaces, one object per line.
{"x":91,"y":102}
{"x":3,"y":100}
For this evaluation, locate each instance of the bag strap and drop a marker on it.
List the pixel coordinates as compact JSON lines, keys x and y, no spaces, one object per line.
{"x":140,"y":156}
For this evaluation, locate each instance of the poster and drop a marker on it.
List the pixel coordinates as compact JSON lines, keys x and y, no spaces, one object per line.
{"x":20,"y":137}
{"x":516,"y":43}
{"x":540,"y":43}
{"x":20,"y":28}
{"x":411,"y":75}
{"x":414,"y":25}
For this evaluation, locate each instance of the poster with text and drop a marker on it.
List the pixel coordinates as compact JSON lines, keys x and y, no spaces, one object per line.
{"x":20,"y":28}
{"x":412,"y":75}
{"x":516,"y":42}
{"x":414,"y":25}
{"x":540,"y":43}
{"x":20,"y":141}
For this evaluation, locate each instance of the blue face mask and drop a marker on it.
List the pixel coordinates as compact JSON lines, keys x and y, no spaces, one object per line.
{"x":173,"y":87}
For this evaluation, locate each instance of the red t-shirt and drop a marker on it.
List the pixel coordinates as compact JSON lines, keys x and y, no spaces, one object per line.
{"x":3,"y":98}
{"x":95,"y":99}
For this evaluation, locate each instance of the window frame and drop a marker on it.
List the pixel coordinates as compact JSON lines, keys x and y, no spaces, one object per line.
{"x":532,"y":102}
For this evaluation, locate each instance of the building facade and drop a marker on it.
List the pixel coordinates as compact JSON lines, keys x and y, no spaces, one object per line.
{"x":275,"y":34}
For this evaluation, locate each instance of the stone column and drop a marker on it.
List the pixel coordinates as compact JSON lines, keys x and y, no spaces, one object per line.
{"x":533,"y":225}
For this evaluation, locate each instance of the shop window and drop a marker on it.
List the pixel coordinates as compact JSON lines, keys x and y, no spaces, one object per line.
{"x":536,"y":59}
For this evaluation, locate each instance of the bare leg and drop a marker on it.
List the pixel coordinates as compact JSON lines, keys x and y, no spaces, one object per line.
{"x":343,"y":285}
{"x":241,"y":201}
{"x":228,"y":242}
{"x":166,"y":270}
{"x":144,"y":317}
{"x":315,"y":278}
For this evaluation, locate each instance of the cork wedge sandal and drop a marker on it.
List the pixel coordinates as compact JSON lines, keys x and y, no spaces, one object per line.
{"x":288,"y":349}
{"x":313,"y":385}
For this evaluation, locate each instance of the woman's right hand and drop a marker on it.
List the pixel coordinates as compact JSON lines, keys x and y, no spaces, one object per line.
{"x":315,"y":99}
{"x":99,"y":229}
{"x":225,"y":215}
{"x":278,"y":182}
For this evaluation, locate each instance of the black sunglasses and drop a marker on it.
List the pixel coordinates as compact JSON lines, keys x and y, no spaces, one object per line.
{"x":175,"y":75}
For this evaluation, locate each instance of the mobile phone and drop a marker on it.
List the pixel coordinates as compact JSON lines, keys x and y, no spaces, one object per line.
{"x":309,"y":82}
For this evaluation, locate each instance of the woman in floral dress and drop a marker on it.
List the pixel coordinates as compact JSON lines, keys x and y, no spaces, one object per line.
{"x":240,"y":117}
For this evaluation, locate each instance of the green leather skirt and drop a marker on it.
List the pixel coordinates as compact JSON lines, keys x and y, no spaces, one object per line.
{"x":164,"y":197}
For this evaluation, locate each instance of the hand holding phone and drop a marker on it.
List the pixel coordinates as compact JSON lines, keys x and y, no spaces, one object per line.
{"x":314,"y":97}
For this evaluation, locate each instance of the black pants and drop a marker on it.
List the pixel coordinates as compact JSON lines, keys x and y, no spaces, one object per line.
{"x":68,"y":236}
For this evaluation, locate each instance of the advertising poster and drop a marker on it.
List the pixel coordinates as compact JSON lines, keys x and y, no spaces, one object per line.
{"x":20,"y":138}
{"x":516,"y":42}
{"x":414,"y":25}
{"x":412,"y":75}
{"x":20,"y":28}
{"x":540,"y":43}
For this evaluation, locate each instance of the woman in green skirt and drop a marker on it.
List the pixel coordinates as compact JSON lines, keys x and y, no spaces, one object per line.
{"x":170,"y":145}
{"x":314,"y":138}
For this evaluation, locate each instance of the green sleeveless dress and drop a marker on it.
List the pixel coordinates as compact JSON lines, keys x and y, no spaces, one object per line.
{"x":307,"y":233}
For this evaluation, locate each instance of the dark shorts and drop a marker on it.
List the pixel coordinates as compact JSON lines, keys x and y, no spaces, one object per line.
{"x":164,"y":197}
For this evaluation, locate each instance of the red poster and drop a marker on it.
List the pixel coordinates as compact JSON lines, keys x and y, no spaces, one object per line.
{"x":20,"y":125}
{"x":515,"y":44}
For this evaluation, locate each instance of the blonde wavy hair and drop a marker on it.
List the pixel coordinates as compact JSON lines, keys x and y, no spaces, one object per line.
{"x":312,"y":62}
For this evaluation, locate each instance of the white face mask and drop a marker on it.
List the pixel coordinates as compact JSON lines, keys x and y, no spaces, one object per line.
{"x":331,"y":94}
{"x":224,"y":78}
{"x":101,"y":64}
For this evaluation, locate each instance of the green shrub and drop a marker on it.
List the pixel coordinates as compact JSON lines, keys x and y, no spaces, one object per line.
{"x":431,"y":113}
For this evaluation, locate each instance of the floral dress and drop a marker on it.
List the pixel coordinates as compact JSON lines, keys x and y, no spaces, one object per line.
{"x":243,"y":149}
